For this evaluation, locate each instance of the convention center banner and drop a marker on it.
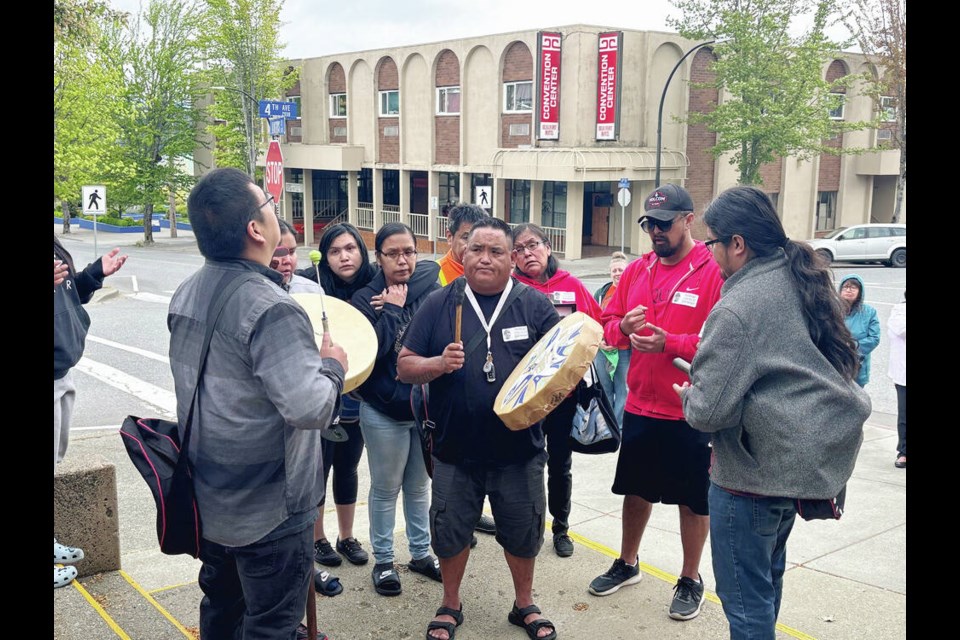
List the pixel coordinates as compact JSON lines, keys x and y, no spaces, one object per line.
{"x":549,"y":74}
{"x":608,"y":85}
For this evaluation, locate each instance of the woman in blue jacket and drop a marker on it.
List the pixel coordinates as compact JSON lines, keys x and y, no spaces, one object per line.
{"x":862,"y":321}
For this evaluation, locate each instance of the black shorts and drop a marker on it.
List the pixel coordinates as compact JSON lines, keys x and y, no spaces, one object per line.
{"x":517,"y":499}
{"x":664,"y":461}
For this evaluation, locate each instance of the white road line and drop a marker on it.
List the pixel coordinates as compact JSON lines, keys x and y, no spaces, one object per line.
{"x":135,"y":284}
{"x":163,"y":401}
{"x":151,"y":297}
{"x":140,"y":352}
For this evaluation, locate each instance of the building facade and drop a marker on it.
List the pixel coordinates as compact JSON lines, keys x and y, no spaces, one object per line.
{"x":542,"y":126}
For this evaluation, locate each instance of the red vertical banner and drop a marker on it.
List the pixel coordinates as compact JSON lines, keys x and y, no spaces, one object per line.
{"x":548,"y":115}
{"x":608,"y":85}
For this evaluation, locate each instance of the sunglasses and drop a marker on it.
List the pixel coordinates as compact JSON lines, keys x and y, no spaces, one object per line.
{"x":283,"y":252}
{"x":648,"y":223}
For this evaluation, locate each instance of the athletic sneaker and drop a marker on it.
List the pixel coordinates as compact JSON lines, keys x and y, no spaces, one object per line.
{"x":486,"y":525}
{"x":352,"y":549}
{"x":562,"y":544}
{"x":687,"y":599}
{"x":324,"y":554}
{"x":619,"y":575}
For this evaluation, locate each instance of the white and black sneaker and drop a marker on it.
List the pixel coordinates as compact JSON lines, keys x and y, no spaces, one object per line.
{"x":687,"y":599}
{"x":619,"y":575}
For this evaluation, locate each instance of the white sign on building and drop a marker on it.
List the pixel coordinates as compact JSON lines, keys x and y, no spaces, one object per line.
{"x":483,"y":196}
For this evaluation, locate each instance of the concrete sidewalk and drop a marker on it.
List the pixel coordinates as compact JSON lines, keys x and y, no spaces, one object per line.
{"x":846,"y":579}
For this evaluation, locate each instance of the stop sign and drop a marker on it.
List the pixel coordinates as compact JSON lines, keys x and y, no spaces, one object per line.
{"x":273,"y":172}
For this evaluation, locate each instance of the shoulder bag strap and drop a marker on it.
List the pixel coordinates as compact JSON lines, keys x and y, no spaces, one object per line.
{"x":233,"y":283}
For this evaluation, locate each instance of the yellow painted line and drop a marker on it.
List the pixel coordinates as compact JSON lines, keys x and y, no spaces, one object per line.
{"x":173,"y":586}
{"x":157,"y":606}
{"x":672,"y":579}
{"x":103,"y":614}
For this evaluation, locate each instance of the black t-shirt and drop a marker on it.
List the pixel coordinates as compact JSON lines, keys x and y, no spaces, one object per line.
{"x":461,"y":403}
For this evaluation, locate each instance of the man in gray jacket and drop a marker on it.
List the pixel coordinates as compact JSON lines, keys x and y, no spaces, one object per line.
{"x":266,"y":394}
{"x":773,"y":382}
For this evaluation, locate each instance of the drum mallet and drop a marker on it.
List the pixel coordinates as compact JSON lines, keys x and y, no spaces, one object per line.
{"x":315,"y":259}
{"x":458,"y":300}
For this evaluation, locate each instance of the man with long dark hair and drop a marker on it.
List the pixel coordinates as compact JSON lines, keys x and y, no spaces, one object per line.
{"x":774,"y":384}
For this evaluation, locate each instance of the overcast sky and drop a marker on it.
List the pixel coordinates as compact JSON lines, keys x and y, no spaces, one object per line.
{"x":314,"y":28}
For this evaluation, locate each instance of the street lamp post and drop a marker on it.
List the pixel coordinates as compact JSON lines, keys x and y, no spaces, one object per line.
{"x":662,"y":98}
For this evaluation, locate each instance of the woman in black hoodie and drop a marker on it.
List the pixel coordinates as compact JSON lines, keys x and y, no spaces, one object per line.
{"x":393,"y":443}
{"x":344,"y":269}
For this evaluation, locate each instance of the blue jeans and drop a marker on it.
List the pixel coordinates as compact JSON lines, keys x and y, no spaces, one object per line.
{"x":748,"y":541}
{"x":256,"y":592}
{"x":396,"y":462}
{"x":616,"y":389}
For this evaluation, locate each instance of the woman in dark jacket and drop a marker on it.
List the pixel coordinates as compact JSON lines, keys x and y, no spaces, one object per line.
{"x":344,"y":269}
{"x":386,"y":419}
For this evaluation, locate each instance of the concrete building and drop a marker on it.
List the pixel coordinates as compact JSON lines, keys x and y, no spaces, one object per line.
{"x":541,"y":126}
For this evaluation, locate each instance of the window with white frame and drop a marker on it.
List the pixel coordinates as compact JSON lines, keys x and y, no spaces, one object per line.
{"x":296,"y":100}
{"x":836,"y":113}
{"x":888,"y":109}
{"x":338,"y":105}
{"x":518,"y":97}
{"x":448,"y":101}
{"x":389,"y":103}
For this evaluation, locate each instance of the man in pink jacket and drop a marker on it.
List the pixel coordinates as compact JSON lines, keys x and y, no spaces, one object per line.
{"x":658,"y":311}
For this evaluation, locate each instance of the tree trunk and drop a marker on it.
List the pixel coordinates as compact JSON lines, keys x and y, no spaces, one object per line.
{"x":148,"y":224}
{"x":172,"y":213}
{"x":65,"y":205}
{"x":901,"y":186}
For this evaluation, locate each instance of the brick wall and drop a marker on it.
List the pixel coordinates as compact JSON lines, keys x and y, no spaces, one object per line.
{"x":447,"y":139}
{"x":506,"y":119}
{"x":337,"y":123}
{"x":702,"y":164}
{"x":828,"y":176}
{"x":336,"y":79}
{"x":771,"y":174}
{"x":448,"y":70}
{"x":387,"y":77}
{"x":447,"y":128}
{"x":517,"y":63}
{"x":389,"y":150}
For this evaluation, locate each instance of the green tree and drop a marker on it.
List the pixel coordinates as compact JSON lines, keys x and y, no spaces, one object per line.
{"x":880,"y":28}
{"x":243,"y":48}
{"x":85,"y":100}
{"x":162,"y":61}
{"x":776,"y":100}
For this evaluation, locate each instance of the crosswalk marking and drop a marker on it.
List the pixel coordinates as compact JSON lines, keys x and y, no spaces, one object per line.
{"x":165,"y":402}
{"x":140,"y":352}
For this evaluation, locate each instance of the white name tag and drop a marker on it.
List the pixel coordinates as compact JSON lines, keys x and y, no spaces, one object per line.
{"x":563,"y":297}
{"x":686,"y":299}
{"x":511,"y":334}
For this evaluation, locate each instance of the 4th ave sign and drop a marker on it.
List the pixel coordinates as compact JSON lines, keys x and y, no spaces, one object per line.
{"x":273,"y":171}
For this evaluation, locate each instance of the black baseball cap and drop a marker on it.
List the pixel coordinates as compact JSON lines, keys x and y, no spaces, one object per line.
{"x":666,"y":202}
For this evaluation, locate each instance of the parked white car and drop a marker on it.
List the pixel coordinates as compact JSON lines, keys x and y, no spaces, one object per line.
{"x":874,"y":242}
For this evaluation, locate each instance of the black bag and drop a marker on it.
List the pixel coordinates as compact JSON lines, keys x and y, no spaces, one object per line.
{"x":595,"y":428}
{"x":831,"y":509}
{"x":154,"y":447}
{"x":419,"y":401}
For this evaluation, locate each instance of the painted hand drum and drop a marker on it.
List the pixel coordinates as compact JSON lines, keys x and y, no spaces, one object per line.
{"x":349,"y":329}
{"x":549,"y":372}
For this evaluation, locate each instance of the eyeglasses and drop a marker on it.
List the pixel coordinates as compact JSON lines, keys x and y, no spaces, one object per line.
{"x":648,"y":223}
{"x":709,"y":243}
{"x":283,"y":252}
{"x":530,"y":246}
{"x":849,"y":285}
{"x":409,"y":254}
{"x":263,"y":204}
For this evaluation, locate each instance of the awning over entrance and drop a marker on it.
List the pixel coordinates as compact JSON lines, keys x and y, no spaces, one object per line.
{"x":587,"y":165}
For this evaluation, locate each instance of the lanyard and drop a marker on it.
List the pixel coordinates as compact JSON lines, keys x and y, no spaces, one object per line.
{"x":488,"y":367}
